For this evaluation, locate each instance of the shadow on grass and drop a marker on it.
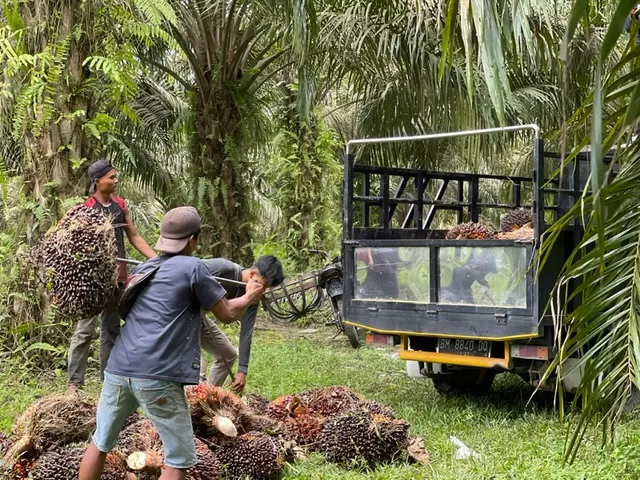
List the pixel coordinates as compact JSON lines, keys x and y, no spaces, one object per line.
{"x":512,"y":396}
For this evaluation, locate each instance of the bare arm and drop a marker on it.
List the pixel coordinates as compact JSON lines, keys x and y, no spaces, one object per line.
{"x":228,"y":311}
{"x":247,"y":326}
{"x":136,"y":239}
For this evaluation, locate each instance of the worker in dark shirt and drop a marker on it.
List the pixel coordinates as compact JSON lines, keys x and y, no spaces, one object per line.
{"x":267,"y":270}
{"x":158,"y":350}
{"x":381,"y":282}
{"x":104,"y":183}
{"x":475,"y":269}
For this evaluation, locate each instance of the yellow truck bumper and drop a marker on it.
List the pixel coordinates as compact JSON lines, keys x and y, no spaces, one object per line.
{"x":452,"y":359}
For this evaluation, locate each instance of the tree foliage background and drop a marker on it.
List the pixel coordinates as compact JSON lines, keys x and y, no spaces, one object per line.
{"x":241,"y":108}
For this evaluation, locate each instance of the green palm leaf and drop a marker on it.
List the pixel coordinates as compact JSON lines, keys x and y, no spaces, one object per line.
{"x":603,"y":273}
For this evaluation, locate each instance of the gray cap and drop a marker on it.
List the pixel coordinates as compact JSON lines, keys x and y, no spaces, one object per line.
{"x":177,"y":227}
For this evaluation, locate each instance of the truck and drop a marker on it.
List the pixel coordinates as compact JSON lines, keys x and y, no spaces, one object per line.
{"x":461,"y":310}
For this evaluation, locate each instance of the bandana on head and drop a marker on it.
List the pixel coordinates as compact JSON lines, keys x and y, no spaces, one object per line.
{"x":98,"y":170}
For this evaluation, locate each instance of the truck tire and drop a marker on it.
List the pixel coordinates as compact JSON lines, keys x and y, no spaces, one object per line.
{"x":349,"y":330}
{"x":352,"y":334}
{"x":469,"y":381}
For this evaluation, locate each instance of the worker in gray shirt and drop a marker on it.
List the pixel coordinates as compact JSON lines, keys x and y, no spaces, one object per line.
{"x":267,"y":270}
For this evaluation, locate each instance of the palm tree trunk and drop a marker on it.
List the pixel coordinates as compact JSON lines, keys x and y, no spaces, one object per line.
{"x":217,"y":176}
{"x":54,"y":142}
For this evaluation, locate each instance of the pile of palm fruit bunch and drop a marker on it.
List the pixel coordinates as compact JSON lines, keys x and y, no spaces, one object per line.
{"x":44,"y":438}
{"x":252,"y":438}
{"x":77,"y":259}
{"x":341,"y":425}
{"x":514,"y":225}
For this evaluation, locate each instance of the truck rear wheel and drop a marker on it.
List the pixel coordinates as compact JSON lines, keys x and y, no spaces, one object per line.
{"x":469,"y":381}
{"x":352,"y":334}
{"x":349,"y":330}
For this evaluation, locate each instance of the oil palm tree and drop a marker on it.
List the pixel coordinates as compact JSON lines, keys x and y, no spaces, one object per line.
{"x":68,"y":71}
{"x":67,"y":74}
{"x":413,"y":68}
{"x":229,"y":51}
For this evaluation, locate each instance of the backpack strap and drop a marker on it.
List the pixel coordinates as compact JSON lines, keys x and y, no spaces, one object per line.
{"x":134,"y":285}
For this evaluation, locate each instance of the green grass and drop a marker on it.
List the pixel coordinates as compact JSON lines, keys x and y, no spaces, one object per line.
{"x":515,"y":440}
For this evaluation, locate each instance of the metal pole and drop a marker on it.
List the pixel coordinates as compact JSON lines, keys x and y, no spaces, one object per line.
{"x":538,"y":183}
{"x":434,"y":136}
{"x":128,"y":261}
{"x":219,"y":279}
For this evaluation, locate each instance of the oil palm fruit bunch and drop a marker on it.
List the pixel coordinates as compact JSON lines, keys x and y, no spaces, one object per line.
{"x":283,"y":407}
{"x":523,"y":233}
{"x":141,"y":446}
{"x":78,"y":258}
{"x":50,"y":422}
{"x":63,"y":463}
{"x":5,"y":443}
{"x":140,"y":435}
{"x":208,"y":467}
{"x":253,"y":455}
{"x":377,"y":408}
{"x":331,"y":400}
{"x":515,"y":219}
{"x":218,"y":413}
{"x":257,"y":403}
{"x":470,"y":231}
{"x":19,"y":470}
{"x":362,"y":435}
{"x":147,"y":464}
{"x":133,"y":417}
{"x":303,"y":429}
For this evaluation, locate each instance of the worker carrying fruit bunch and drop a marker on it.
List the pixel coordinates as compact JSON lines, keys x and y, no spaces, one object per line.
{"x":158,"y":350}
{"x":267,"y":271}
{"x":103,"y":178}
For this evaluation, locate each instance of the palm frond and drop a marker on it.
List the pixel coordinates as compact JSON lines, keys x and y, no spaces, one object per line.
{"x":602,"y":276}
{"x":603,"y":331}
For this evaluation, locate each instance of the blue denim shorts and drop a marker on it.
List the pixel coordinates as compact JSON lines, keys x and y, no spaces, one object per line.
{"x":163,"y":402}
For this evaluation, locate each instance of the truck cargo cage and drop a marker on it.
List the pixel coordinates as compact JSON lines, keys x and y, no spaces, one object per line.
{"x":403,"y":277}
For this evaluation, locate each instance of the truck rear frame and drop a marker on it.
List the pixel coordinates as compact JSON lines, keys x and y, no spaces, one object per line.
{"x":389,"y":214}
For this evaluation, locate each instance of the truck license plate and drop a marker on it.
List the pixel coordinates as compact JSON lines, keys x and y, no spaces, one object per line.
{"x":461,"y":346}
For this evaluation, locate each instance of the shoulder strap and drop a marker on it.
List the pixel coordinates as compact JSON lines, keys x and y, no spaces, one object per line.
{"x":133,"y":286}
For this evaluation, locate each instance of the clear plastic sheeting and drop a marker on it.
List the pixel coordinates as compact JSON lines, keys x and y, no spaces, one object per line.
{"x":392,"y":274}
{"x":483,"y":276}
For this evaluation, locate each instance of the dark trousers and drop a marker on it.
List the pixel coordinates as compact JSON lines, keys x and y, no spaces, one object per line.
{"x":82,"y":338}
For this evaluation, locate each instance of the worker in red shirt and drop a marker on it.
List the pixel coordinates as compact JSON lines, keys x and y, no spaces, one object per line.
{"x":104,"y":183}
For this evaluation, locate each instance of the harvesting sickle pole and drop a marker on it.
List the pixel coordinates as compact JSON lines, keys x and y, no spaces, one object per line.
{"x":219,"y":279}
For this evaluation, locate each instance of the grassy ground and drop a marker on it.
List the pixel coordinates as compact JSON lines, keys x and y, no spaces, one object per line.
{"x":515,"y":441}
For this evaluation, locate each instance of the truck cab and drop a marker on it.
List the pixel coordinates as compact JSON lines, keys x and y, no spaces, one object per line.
{"x":462,"y":309}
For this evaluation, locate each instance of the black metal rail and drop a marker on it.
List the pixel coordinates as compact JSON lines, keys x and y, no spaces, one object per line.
{"x":424,"y":193}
